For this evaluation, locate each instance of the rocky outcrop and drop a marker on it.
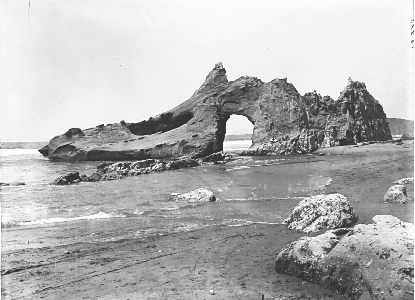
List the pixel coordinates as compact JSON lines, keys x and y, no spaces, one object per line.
{"x":199,"y":195}
{"x":284,"y":123}
{"x":396,"y":194}
{"x":112,"y":171}
{"x":355,"y":117}
{"x":322,"y":212}
{"x":66,"y":179}
{"x":376,"y":257}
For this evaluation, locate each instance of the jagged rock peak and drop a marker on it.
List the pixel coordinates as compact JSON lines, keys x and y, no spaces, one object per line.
{"x":354,"y":86}
{"x":217,"y":75}
{"x":218,"y":66}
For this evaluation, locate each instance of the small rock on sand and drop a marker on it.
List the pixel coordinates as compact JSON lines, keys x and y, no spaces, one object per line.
{"x":396,"y":194}
{"x":199,"y":195}
{"x":322,"y":212}
{"x":404,"y":181}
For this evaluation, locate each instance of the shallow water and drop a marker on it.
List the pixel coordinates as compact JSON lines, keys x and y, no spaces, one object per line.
{"x":248,"y":190}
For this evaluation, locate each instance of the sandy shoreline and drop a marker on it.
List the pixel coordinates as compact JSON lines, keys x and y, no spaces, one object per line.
{"x":234,"y":262}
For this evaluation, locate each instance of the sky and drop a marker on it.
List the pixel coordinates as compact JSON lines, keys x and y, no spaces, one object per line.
{"x":76,"y":63}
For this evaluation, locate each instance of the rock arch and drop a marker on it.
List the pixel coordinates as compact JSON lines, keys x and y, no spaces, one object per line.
{"x":284,"y":122}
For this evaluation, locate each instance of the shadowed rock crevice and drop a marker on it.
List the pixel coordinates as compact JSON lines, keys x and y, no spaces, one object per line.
{"x":162,"y":123}
{"x":284,"y":123}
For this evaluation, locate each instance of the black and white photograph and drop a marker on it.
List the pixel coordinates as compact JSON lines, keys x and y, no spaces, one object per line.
{"x":193,"y":149}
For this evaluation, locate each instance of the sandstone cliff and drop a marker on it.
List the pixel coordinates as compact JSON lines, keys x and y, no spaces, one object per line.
{"x":284,"y":123}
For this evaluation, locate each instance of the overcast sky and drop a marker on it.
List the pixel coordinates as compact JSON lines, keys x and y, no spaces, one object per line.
{"x":82,"y":63}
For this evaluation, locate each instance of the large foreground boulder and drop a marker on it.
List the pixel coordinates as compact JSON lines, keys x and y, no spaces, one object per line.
{"x":396,"y":194}
{"x":284,"y":123}
{"x":322,"y":212}
{"x":199,"y":195}
{"x":375,"y":257}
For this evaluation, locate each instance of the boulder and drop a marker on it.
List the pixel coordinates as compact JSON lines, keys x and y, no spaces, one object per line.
{"x":284,"y":123}
{"x":396,"y":194}
{"x":377,"y":258}
{"x":199,"y":195}
{"x":66,"y":179}
{"x":404,"y":181}
{"x":322,"y":212}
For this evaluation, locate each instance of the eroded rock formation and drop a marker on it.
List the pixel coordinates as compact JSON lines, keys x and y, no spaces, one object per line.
{"x":284,"y":123}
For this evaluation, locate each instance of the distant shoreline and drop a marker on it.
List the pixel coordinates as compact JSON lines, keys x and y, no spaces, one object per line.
{"x":238,"y":137}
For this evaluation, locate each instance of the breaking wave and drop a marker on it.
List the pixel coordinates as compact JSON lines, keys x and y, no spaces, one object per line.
{"x":99,"y":215}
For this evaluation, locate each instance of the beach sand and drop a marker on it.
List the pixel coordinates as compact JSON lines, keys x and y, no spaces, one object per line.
{"x":234,"y":262}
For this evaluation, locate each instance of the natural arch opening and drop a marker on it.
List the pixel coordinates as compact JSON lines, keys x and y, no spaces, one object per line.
{"x":238,"y":133}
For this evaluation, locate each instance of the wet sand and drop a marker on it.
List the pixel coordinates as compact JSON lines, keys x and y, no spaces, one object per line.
{"x":234,"y":262}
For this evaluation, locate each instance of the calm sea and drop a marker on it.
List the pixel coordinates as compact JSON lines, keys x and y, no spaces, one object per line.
{"x":249,"y":190}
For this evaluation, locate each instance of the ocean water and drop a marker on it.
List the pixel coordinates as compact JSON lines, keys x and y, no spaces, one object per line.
{"x":37,"y":214}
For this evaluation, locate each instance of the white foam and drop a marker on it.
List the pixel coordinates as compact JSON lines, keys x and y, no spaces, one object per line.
{"x":238,"y":168}
{"x":247,"y":222}
{"x":99,"y":215}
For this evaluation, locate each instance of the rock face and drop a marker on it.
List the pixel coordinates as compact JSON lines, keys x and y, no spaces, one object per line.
{"x":396,"y":194}
{"x":199,"y":195}
{"x":284,"y":123}
{"x":375,"y":257}
{"x":322,"y":212}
